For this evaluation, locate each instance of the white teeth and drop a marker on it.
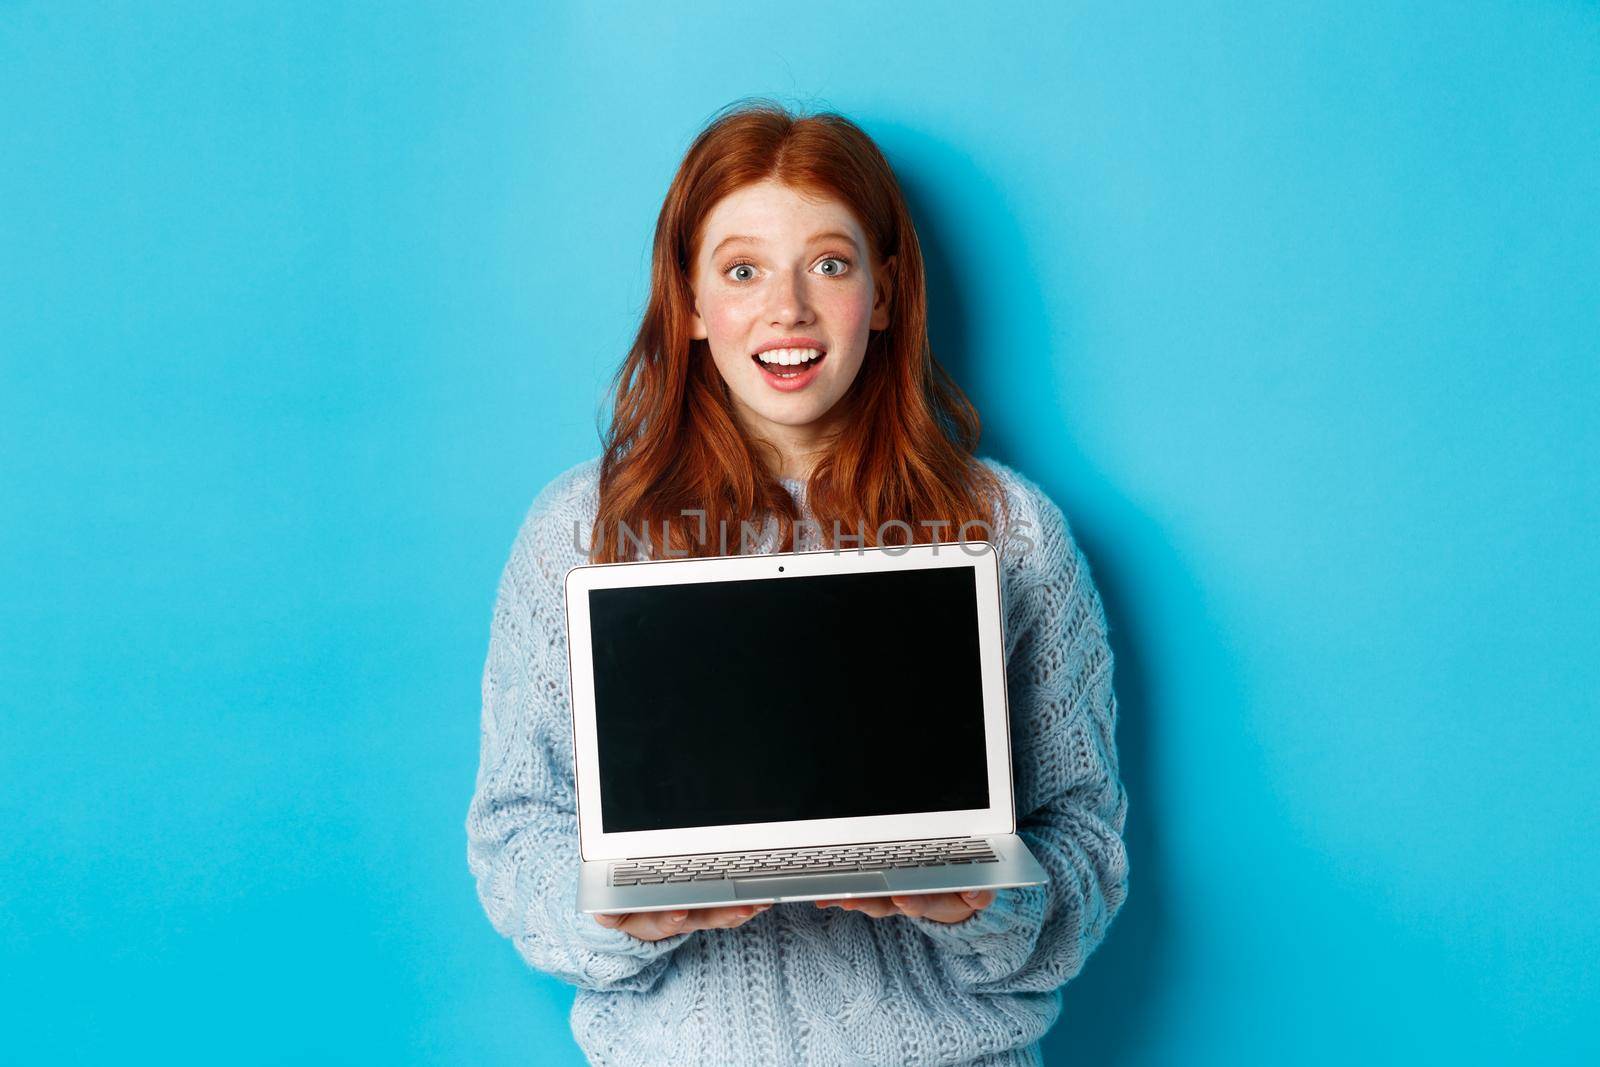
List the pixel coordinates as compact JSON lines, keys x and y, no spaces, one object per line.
{"x":788,"y":357}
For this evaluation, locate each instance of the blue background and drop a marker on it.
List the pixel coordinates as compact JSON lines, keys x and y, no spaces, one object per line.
{"x":1295,"y":309}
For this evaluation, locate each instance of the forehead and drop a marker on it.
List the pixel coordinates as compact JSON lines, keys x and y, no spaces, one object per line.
{"x":773,"y":212}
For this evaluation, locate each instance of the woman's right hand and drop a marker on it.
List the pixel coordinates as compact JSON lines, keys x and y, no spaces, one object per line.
{"x":654,"y":925}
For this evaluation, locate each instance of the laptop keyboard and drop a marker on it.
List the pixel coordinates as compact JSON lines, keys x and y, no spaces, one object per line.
{"x":831,"y":860}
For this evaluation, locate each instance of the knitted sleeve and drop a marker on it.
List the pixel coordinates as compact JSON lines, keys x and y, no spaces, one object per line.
{"x":1071,"y":804}
{"x":522,"y":822}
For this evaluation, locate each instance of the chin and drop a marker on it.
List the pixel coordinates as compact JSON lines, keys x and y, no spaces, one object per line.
{"x":802,"y":416}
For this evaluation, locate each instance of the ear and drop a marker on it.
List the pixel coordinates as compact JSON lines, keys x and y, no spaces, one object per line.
{"x":697,"y":325}
{"x":883,"y":297}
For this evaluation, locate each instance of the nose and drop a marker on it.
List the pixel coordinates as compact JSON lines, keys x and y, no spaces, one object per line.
{"x":791,"y":300}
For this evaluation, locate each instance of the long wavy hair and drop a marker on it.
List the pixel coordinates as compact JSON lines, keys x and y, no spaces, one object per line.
{"x":674,"y":444}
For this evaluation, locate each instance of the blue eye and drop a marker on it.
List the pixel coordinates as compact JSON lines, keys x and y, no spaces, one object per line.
{"x":842,"y":268}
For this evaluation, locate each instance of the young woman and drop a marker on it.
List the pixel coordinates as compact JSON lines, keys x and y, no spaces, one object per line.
{"x":782,"y":385}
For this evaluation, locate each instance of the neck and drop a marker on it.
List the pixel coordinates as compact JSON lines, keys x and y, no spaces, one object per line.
{"x":792,"y":451}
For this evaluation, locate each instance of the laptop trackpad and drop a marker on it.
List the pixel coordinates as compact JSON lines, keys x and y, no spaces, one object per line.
{"x":811,"y":885}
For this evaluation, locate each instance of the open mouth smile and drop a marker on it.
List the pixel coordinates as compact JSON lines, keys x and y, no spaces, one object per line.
{"x":788,"y":369}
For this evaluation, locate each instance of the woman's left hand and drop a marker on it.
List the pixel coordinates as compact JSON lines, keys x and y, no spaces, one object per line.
{"x":939,"y":907}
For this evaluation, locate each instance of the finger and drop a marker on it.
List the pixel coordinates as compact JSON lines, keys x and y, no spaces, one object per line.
{"x":912,"y":904}
{"x":655,"y":925}
{"x":608,"y":920}
{"x":958,"y":907}
{"x":939,"y":907}
{"x":661,"y":925}
{"x":978,"y":899}
{"x":949,"y":908}
{"x":709,"y":918}
{"x":728,"y":917}
{"x":877,"y":907}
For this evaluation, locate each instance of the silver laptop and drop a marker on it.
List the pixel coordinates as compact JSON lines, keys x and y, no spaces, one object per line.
{"x":797,"y":726}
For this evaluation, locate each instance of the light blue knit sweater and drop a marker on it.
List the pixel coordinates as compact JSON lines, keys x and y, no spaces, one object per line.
{"x":798,"y":984}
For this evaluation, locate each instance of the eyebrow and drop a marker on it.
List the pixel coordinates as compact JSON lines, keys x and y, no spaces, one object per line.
{"x":831,"y":235}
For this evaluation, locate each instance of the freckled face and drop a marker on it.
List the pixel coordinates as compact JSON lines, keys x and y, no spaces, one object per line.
{"x":776,"y":266}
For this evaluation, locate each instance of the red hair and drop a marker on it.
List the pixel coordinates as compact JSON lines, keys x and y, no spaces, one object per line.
{"x":674,"y":444}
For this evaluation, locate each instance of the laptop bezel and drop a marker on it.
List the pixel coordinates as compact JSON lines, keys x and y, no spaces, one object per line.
{"x":998,"y":818}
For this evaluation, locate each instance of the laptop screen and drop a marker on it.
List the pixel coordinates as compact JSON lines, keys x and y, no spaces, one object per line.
{"x":816,"y":697}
